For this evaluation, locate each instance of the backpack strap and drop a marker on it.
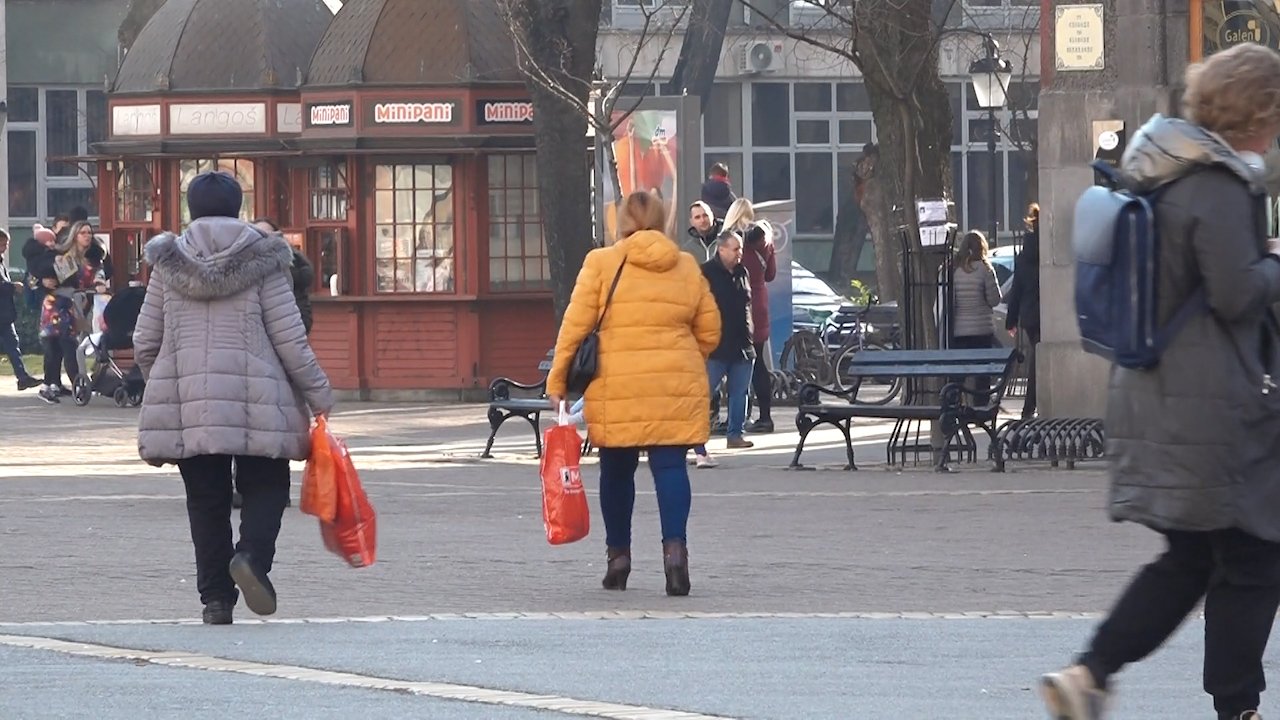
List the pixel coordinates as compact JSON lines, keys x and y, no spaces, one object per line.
{"x":1110,"y":174}
{"x":1194,"y":305}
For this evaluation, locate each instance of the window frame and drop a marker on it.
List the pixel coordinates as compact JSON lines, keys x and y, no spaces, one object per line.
{"x":521,"y":221}
{"x":414,"y":164}
{"x":86,"y":176}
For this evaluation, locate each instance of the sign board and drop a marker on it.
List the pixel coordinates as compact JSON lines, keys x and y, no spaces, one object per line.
{"x":1078,"y":38}
{"x":442,"y":112}
{"x":218,"y":119}
{"x":135,"y":120}
{"x":504,"y":112}
{"x":329,"y":115}
{"x":1108,"y":141}
{"x":289,"y":118}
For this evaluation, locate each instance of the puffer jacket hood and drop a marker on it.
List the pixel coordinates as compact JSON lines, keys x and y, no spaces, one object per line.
{"x":218,"y":257}
{"x":1167,"y":149}
{"x":651,"y":250}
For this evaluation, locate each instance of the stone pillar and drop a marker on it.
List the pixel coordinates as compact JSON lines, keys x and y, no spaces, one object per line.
{"x":1143,"y":75}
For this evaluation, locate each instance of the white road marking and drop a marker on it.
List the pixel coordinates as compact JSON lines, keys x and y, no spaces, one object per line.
{"x":595,"y":615}
{"x":439,"y":690}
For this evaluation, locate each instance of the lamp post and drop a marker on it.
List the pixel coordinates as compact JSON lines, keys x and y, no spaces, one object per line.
{"x":990,"y":75}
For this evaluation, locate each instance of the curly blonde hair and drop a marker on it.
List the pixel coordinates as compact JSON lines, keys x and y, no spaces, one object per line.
{"x":1235,"y":93}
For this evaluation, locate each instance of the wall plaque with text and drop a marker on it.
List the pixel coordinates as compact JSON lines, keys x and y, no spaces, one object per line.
{"x":1078,"y":38}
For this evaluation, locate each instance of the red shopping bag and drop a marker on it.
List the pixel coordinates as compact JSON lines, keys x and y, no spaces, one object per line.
{"x":564,"y":503}
{"x":351,"y":532}
{"x":320,"y":478}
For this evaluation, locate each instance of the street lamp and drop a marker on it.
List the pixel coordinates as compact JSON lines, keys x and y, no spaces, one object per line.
{"x":990,"y":75}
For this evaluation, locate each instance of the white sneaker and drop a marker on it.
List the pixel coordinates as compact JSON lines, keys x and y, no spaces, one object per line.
{"x":705,"y":462}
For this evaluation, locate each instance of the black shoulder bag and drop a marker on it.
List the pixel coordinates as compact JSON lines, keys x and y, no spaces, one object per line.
{"x":586,"y":359}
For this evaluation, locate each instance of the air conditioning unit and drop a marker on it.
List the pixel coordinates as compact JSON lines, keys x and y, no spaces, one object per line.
{"x":757,"y":57}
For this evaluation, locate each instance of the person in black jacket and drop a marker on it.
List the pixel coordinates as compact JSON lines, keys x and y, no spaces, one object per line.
{"x":8,"y":316}
{"x":302,"y":272}
{"x":1024,"y":301}
{"x":717,"y":192}
{"x":734,"y":357}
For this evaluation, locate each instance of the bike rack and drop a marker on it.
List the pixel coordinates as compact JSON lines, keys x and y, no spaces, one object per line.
{"x":1058,"y":440}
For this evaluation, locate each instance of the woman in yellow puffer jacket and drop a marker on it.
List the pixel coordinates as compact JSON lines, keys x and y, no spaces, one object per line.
{"x":650,"y":391}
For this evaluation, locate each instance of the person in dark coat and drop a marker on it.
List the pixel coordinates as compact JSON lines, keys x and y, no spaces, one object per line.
{"x":57,"y":318}
{"x":717,"y":192}
{"x":733,"y":357}
{"x":301,"y":271}
{"x":8,"y":316}
{"x":761,"y":263}
{"x":1194,"y":443}
{"x":1023,"y":301}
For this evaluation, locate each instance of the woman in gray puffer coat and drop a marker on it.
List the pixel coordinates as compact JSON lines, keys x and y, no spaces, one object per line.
{"x":1194,"y":443}
{"x":230,"y":376}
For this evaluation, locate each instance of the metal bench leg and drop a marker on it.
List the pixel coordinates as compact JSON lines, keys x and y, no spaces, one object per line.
{"x":496,"y":418}
{"x":537,"y":434}
{"x":804,"y":425}
{"x":848,"y":443}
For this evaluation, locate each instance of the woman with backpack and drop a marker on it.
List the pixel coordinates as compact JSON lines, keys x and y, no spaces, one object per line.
{"x":1194,"y":442}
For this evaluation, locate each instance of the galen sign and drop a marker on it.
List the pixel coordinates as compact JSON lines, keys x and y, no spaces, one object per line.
{"x":412,"y":113}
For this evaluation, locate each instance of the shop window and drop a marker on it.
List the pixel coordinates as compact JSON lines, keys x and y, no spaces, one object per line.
{"x":517,"y":247}
{"x":22,"y":173}
{"x":326,"y":248}
{"x":242,"y":170}
{"x":62,"y":131}
{"x":771,"y":114}
{"x":413,"y":237}
{"x":24,"y":104}
{"x":722,"y":116}
{"x":329,"y":195}
{"x":134,"y":192}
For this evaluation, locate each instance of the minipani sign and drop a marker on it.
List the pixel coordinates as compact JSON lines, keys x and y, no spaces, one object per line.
{"x":413,"y":113}
{"x":504,"y":112}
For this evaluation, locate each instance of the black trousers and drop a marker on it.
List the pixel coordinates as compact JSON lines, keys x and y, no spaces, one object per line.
{"x":1237,"y":574}
{"x":762,"y":383}
{"x":1033,"y":341}
{"x":264,"y":485}
{"x":59,"y":351}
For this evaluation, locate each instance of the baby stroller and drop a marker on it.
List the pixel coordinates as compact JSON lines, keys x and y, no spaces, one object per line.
{"x":108,"y":379}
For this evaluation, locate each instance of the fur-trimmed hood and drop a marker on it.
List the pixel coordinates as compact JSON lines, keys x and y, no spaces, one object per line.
{"x":217,"y":257}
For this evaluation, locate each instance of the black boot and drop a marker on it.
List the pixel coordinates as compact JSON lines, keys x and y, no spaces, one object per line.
{"x":255,"y":586}
{"x":675,"y":561}
{"x":218,"y":612}
{"x":615,"y":578}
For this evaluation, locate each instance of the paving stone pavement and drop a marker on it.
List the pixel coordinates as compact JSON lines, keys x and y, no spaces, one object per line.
{"x":1013,"y":566}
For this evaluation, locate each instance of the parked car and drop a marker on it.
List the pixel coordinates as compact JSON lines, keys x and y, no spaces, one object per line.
{"x":812,"y":299}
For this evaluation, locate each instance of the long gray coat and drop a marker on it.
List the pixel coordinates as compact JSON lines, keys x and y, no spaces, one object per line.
{"x":1195,"y":443}
{"x":975,"y":293}
{"x":222,"y":346}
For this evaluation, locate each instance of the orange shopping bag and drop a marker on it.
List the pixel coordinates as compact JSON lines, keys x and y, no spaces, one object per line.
{"x":320,"y":478}
{"x":564,"y":503}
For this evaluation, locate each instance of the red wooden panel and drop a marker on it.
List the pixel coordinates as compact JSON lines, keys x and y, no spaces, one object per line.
{"x":514,"y":338}
{"x":416,"y":343}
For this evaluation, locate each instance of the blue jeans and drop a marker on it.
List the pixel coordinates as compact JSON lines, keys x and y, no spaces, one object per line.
{"x":9,"y":348}
{"x":739,"y":374}
{"x":618,"y":491}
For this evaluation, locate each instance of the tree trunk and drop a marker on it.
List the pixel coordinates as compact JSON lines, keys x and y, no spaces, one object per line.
{"x":695,"y":70}
{"x":561,"y":38}
{"x":135,"y":18}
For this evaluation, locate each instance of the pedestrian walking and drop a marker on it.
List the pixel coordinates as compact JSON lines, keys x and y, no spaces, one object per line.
{"x":230,"y":377}
{"x":975,"y":295}
{"x":56,"y":312}
{"x":9,"y":346}
{"x":760,"y":260}
{"x":733,"y":358}
{"x":650,"y":389}
{"x":717,"y":191}
{"x":704,"y":228}
{"x":1194,"y":443}
{"x":1023,"y":301}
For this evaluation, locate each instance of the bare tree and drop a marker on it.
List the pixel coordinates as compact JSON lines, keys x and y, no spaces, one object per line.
{"x":695,"y":71}
{"x":591,"y":98}
{"x":136,"y":17}
{"x":894,"y":43}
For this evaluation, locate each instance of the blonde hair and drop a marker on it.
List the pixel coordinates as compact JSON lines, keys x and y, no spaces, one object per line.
{"x":1032,"y":220}
{"x":739,"y":215}
{"x":973,"y":248}
{"x":640,"y":210}
{"x":1235,"y":93}
{"x":70,"y":246}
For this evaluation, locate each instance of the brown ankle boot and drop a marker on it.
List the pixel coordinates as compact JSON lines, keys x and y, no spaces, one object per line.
{"x":675,"y":561}
{"x":615,"y":577}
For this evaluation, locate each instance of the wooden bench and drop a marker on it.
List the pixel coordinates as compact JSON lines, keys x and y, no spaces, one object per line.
{"x":838,"y":407}
{"x":508,"y":399}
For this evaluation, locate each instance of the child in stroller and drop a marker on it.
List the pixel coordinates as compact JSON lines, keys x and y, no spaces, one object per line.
{"x":108,"y":379}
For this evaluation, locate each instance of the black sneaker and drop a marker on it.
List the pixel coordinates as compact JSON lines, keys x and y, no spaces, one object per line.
{"x":49,"y":394}
{"x":761,"y":427}
{"x":29,"y":382}
{"x":255,"y":587}
{"x":218,"y":612}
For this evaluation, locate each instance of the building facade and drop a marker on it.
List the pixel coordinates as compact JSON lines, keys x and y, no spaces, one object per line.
{"x":792,"y":127}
